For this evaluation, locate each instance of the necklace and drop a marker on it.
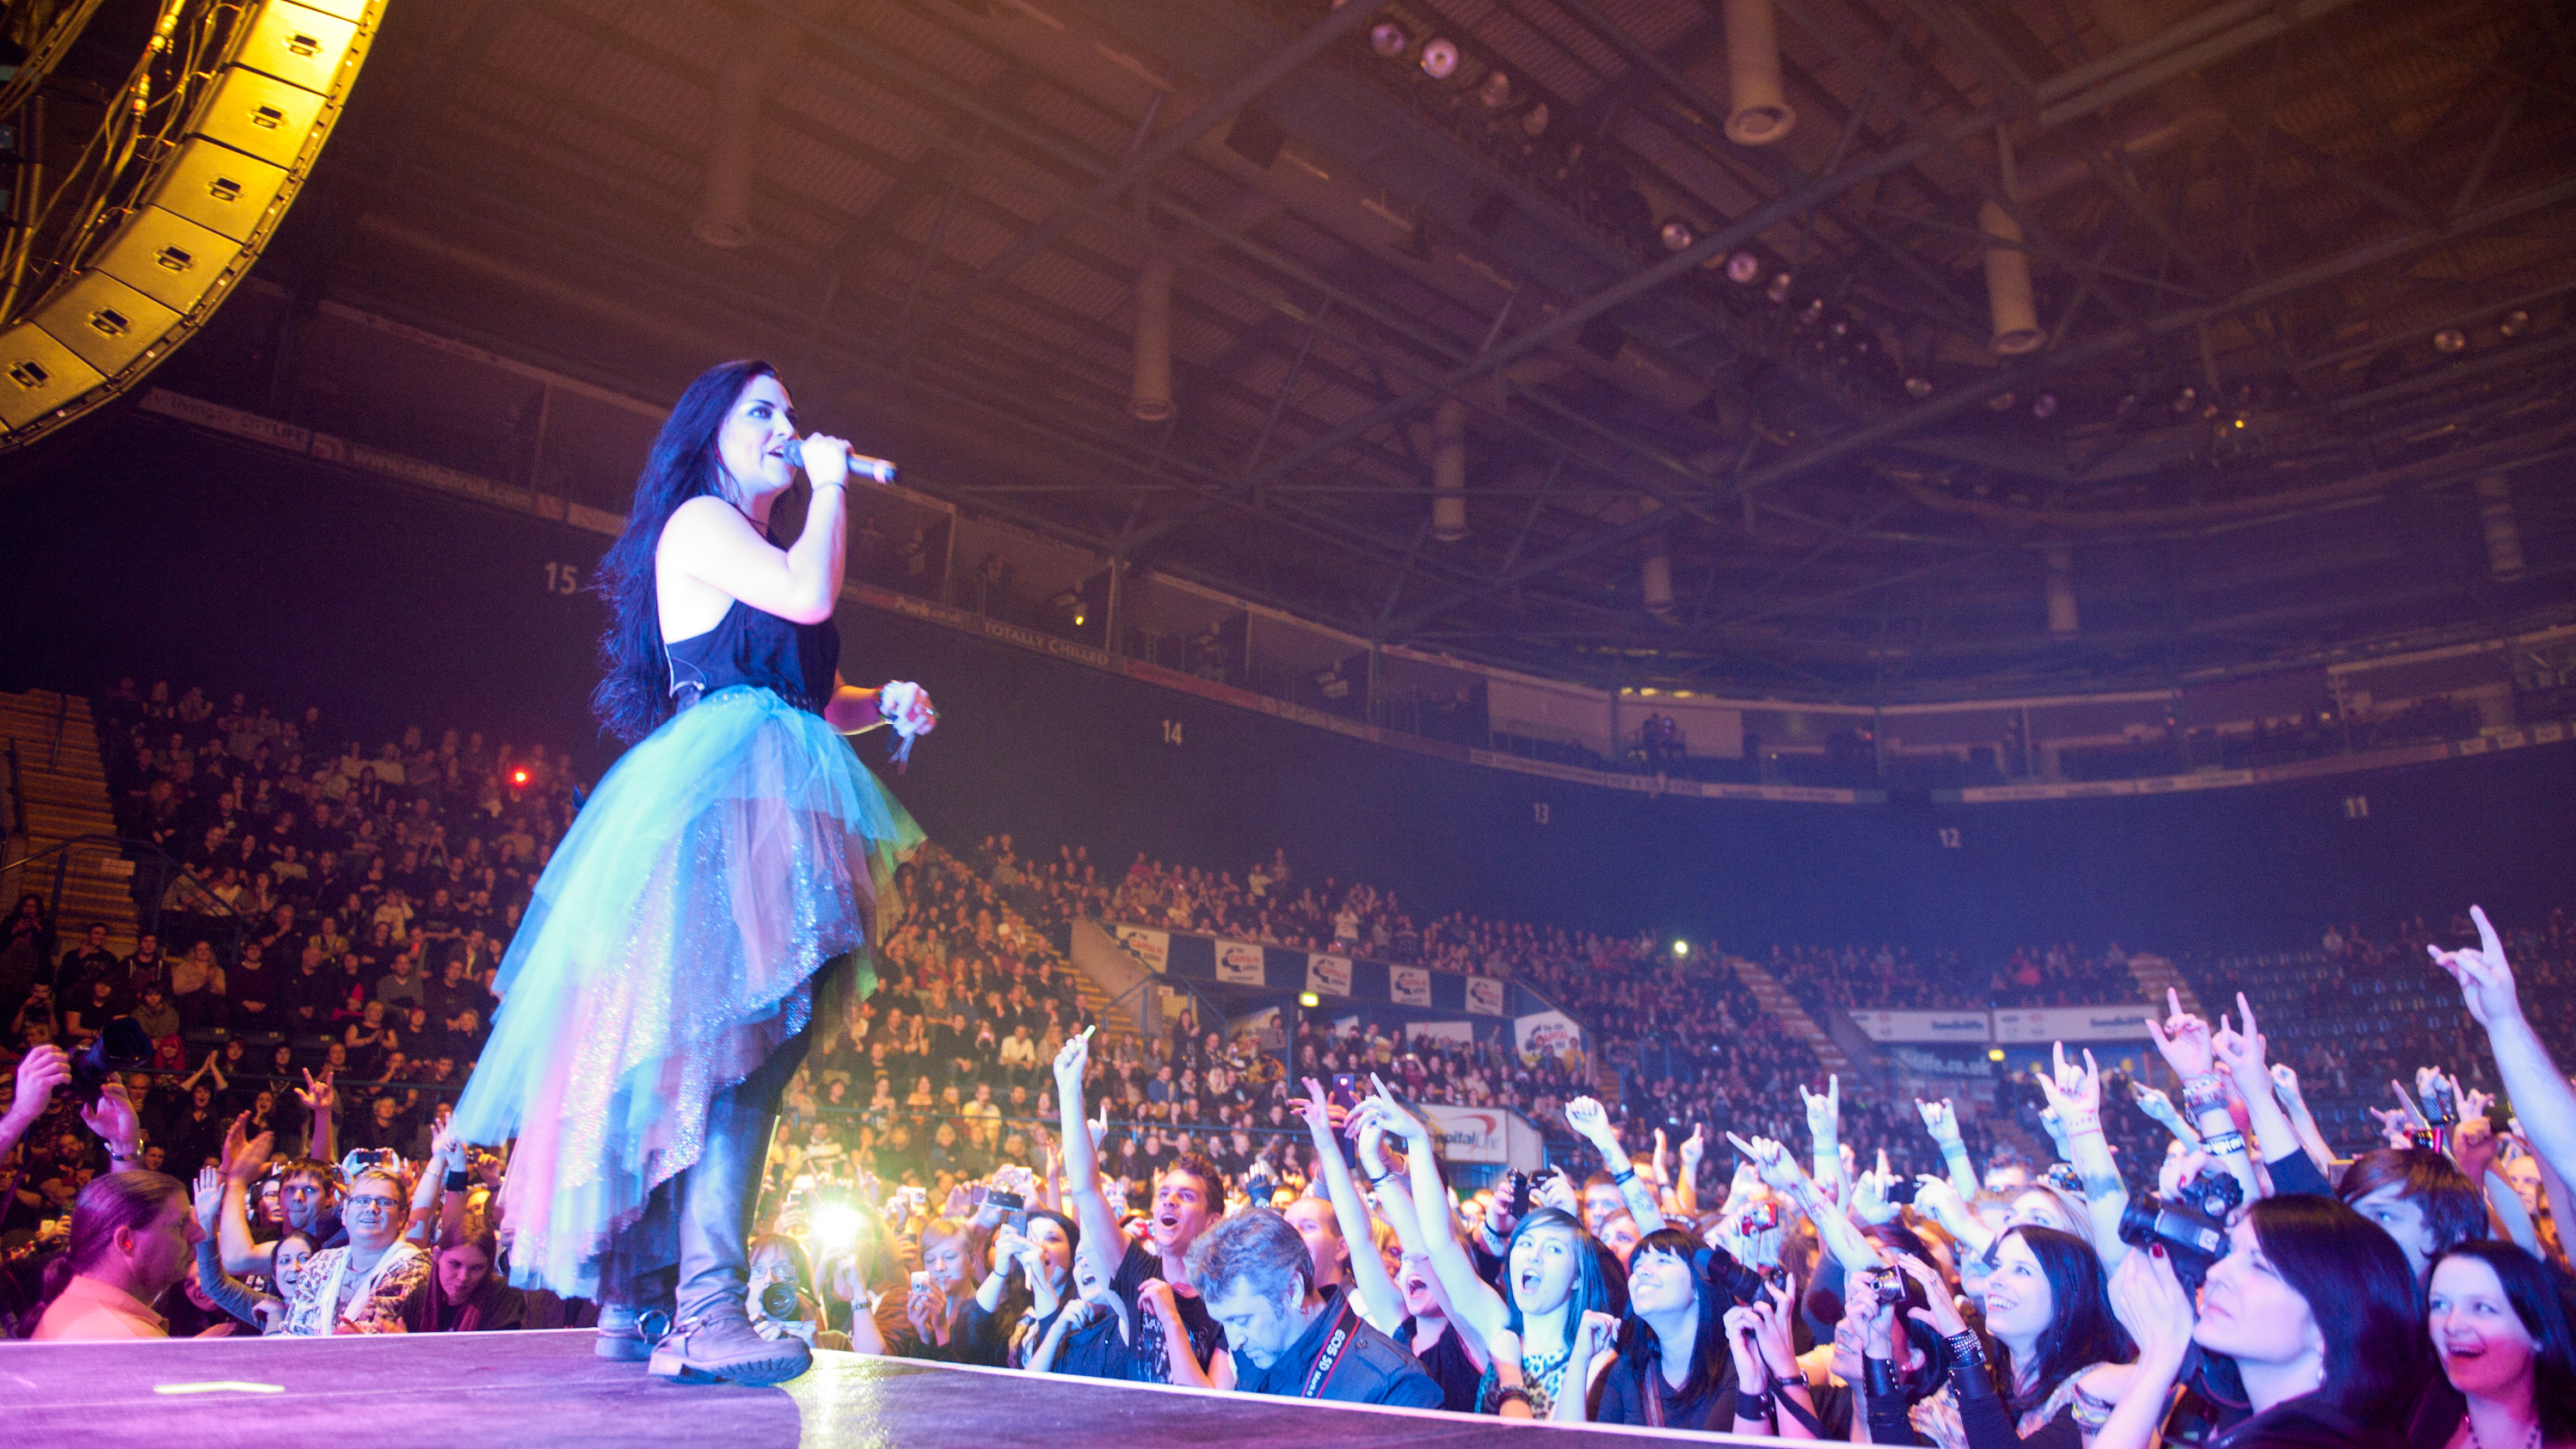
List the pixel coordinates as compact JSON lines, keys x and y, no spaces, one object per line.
{"x":2529,"y":1441}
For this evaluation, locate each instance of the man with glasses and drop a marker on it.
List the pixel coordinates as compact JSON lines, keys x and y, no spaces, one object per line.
{"x":358,"y":1288}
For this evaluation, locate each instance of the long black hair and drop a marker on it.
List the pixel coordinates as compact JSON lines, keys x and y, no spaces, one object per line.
{"x":2540,"y":1295}
{"x":2363,"y":1297}
{"x":2081,"y":1329}
{"x":634,"y":692}
{"x":1712,"y":1359}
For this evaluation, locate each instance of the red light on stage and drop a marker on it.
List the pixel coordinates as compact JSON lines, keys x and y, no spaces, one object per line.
{"x":518,"y":777}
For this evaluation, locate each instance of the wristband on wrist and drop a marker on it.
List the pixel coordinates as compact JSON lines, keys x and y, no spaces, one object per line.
{"x":2223,"y":1143}
{"x":1752,"y":1406}
{"x":2202,"y":1090}
{"x":459,"y":1180}
{"x":1624,"y":1176}
{"x":1790,"y":1381}
{"x":1513,"y":1394}
{"x":1965,"y":1347}
{"x":1878,"y":1378}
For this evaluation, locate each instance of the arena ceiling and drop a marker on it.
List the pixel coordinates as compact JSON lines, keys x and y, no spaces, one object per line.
{"x":1733,"y":416}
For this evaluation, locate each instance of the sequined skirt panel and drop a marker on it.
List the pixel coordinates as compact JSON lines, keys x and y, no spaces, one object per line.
{"x":674,"y":940}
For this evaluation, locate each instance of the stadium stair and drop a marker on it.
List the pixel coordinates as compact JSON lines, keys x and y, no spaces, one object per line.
{"x":64,"y":782}
{"x":1775,"y":998}
{"x":2155,"y":974}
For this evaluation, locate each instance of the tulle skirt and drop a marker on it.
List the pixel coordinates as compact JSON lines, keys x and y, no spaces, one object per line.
{"x":679,"y":935}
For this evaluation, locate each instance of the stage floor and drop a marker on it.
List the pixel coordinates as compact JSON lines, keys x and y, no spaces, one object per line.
{"x":545,"y":1390}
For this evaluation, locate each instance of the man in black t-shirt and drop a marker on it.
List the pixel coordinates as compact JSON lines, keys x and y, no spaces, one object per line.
{"x":90,"y":958}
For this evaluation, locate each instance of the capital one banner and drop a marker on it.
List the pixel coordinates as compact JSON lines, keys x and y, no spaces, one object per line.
{"x":1328,"y":975}
{"x":1409,"y":985}
{"x":1471,"y":1134}
{"x":1238,"y":963}
{"x":1485,"y":995}
{"x":1154,"y":948}
{"x":1972,"y":1027}
{"x":2073,"y":1023}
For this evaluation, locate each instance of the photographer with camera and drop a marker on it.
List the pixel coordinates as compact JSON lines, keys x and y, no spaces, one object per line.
{"x":2308,"y":1334}
{"x":779,"y":1293}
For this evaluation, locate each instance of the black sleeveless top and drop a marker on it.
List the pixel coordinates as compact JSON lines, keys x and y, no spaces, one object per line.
{"x":748,"y":646}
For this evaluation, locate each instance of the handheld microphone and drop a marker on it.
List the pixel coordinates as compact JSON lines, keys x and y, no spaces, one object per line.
{"x":876,"y":470}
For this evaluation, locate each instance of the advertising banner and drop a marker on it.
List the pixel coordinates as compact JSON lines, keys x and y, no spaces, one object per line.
{"x":1547,"y":1032}
{"x":1484,"y":996}
{"x":1471,"y":1134}
{"x":2073,"y":1023}
{"x":1329,"y":975}
{"x":1238,"y":963}
{"x":1460,"y":1032}
{"x":1409,"y":985}
{"x":1968,"y":1027}
{"x":1154,"y":948}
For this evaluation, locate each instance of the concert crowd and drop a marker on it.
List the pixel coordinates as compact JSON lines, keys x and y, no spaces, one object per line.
{"x":979,"y":1165}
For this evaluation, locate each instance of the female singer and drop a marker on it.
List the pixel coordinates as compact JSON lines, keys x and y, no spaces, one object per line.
{"x":715,"y":898}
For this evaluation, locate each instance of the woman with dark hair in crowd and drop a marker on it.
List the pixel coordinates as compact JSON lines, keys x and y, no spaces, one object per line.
{"x":2310,"y":1323}
{"x":1674,"y":1369}
{"x":707,"y":905}
{"x":1030,"y":1282}
{"x":2420,"y":1197}
{"x":2059,"y":1359}
{"x":2500,"y":1324}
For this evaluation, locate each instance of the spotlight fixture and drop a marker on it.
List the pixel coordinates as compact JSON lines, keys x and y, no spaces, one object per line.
{"x":1496,"y":92}
{"x":1440,"y":59}
{"x":2185,"y":400}
{"x":1918,"y":387}
{"x":1388,"y":39}
{"x":1812,"y":313}
{"x":1534,"y":121}
{"x":2450,"y":339}
{"x":1676,"y":234}
{"x":1744,"y":268}
{"x":2044,"y":406}
{"x":2515,"y":323}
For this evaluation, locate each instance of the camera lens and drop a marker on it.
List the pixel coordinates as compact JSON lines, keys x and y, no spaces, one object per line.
{"x":778,"y":1300}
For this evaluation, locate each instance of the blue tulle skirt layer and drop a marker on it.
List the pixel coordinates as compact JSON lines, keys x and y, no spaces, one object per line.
{"x":678,"y":936}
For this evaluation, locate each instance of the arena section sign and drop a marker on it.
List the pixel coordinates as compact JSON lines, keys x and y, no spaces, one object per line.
{"x":2073,"y":1023}
{"x":1962,"y":1027}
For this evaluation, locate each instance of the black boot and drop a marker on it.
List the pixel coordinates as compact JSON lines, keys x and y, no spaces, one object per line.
{"x":715,"y":1199}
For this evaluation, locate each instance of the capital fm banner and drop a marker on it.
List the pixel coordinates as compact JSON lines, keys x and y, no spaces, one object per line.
{"x":1238,"y":963}
{"x":1154,"y":948}
{"x":1485,"y":995}
{"x":1328,"y":975}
